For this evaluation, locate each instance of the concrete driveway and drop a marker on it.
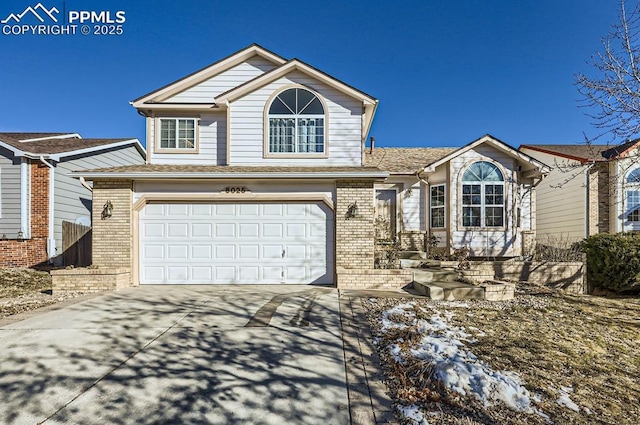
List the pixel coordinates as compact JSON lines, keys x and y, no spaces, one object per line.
{"x":180,"y":354}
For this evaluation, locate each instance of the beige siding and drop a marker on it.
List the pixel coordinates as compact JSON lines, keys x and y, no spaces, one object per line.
{"x":484,"y":242}
{"x":560,"y":200}
{"x":344,"y":120}
{"x":207,"y":90}
{"x":72,"y":200}
{"x":9,"y":194}
{"x":212,"y":143}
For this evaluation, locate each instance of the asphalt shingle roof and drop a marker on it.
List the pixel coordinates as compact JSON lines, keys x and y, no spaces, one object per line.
{"x":52,"y":145}
{"x":165,"y":168}
{"x":404,"y":160}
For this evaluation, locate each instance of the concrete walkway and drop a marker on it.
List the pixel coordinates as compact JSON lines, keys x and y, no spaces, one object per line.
{"x":194,"y":355}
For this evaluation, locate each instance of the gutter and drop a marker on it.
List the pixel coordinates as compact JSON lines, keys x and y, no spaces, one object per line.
{"x":51,"y":242}
{"x":229,"y":176}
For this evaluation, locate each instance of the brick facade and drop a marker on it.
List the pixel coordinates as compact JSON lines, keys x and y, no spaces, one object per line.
{"x":112,"y":236}
{"x":354,"y":236}
{"x":33,"y":251}
{"x":599,"y":199}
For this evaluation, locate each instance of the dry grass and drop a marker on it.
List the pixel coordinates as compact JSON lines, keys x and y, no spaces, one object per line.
{"x":551,"y":340}
{"x":21,"y":281}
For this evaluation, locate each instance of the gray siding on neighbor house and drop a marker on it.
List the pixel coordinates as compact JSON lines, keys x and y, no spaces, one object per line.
{"x":72,"y":200}
{"x":9,"y":194}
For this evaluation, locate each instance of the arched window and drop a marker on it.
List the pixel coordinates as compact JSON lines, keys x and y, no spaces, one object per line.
{"x":482,"y":196}
{"x":632,"y":195}
{"x":296,"y":123}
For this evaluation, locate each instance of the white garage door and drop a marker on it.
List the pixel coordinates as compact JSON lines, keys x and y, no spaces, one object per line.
{"x":236,"y":243}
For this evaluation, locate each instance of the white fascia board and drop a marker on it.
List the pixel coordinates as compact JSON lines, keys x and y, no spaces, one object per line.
{"x":62,"y":136}
{"x":293,"y":65}
{"x":135,"y":142}
{"x":178,"y":106}
{"x":230,"y":176}
{"x":13,"y":149}
{"x":206,"y":73}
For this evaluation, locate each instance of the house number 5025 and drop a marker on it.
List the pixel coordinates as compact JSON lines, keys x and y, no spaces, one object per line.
{"x":235,"y":190}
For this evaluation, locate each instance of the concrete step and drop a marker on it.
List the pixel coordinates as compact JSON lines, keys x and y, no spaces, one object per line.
{"x":413,"y":255}
{"x":406,"y":263}
{"x":439,"y":275}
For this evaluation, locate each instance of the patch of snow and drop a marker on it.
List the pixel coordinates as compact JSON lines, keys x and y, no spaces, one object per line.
{"x":565,"y":400}
{"x":400,"y":309}
{"x":396,"y":352}
{"x":413,"y":413}
{"x":461,"y":371}
{"x":587,"y":410}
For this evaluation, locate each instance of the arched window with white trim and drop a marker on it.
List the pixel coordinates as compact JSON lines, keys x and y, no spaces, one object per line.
{"x":483,"y":196}
{"x":632,"y":196}
{"x":296,"y":123}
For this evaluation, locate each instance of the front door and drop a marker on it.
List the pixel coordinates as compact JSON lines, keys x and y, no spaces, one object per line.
{"x":385,"y":214}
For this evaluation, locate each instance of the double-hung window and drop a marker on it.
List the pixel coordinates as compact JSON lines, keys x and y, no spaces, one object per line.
{"x":296,"y":123}
{"x":483,"y":196}
{"x":632,"y":195}
{"x":436,"y":205}
{"x":178,"y":133}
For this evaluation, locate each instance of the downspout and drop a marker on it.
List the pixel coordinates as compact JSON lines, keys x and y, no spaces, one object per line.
{"x":51,"y":242}
{"x":84,"y":183}
{"x":587,"y":208}
{"x":25,"y":184}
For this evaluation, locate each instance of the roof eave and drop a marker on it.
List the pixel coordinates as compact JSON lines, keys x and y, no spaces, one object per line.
{"x":89,"y":175}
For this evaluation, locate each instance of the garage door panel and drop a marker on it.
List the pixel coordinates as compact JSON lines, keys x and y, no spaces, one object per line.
{"x":236,"y":243}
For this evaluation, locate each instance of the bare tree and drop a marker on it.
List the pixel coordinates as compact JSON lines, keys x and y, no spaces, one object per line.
{"x":614,"y":91}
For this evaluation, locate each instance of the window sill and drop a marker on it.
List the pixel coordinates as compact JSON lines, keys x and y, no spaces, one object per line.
{"x":295,"y":155}
{"x":178,"y":151}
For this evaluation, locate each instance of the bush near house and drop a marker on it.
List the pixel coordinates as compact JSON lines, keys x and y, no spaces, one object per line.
{"x":613,"y":261}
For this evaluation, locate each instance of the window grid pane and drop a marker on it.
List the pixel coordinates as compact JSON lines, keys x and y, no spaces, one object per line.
{"x":167,"y":134}
{"x":295,"y":130}
{"x":633,"y":205}
{"x":437,"y":201}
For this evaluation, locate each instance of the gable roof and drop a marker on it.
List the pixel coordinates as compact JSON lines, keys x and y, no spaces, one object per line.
{"x":58,"y":145}
{"x":587,"y":152}
{"x":208,"y":72}
{"x":536,"y":167}
{"x":403,"y":160}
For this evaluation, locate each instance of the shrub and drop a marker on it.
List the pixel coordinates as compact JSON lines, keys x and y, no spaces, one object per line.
{"x":613,"y":261}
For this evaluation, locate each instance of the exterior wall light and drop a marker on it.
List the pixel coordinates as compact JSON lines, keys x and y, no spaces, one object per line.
{"x":352,"y":211}
{"x":20,"y":237}
{"x":107,"y":210}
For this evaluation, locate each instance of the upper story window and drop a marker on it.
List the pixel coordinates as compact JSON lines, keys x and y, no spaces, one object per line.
{"x":296,"y":123}
{"x":632,"y":195}
{"x":482,"y":196}
{"x":178,"y":133}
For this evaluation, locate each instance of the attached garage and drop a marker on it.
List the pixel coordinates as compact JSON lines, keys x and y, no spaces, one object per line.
{"x":224,"y":243}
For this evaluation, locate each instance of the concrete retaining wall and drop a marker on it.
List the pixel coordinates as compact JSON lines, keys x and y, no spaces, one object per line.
{"x":569,"y":276}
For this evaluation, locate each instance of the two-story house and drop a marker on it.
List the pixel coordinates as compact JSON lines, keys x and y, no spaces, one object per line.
{"x":257,"y":172}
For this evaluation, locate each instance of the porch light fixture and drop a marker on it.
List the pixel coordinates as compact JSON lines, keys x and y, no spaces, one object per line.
{"x":20,"y":237}
{"x":352,"y":211}
{"x":107,"y":210}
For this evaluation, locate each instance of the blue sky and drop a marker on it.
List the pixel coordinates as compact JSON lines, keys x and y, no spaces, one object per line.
{"x":445,"y":71}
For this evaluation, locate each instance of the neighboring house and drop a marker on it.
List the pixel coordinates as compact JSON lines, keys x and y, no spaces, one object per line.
{"x":477,"y":196}
{"x":37,"y":194}
{"x":591,"y":189}
{"x":257,"y":172}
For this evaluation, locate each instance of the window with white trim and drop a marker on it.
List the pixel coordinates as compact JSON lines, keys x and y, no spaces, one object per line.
{"x":296,"y":123}
{"x":436,"y":205}
{"x":632,"y":195}
{"x":178,"y":133}
{"x":482,"y":196}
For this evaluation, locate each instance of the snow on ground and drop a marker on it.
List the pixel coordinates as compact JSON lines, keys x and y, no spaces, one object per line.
{"x":413,"y":413}
{"x":565,"y":400}
{"x":443,"y":346}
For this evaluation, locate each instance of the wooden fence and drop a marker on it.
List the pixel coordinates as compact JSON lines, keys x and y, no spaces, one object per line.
{"x":76,"y":244}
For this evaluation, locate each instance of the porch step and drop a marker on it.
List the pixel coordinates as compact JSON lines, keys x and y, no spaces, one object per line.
{"x":435,"y":275}
{"x":413,"y":255}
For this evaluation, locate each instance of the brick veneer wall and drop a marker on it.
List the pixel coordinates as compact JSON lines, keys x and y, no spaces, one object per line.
{"x":354,"y":236}
{"x":599,"y":201}
{"x":112,"y":237}
{"x":33,"y":251}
